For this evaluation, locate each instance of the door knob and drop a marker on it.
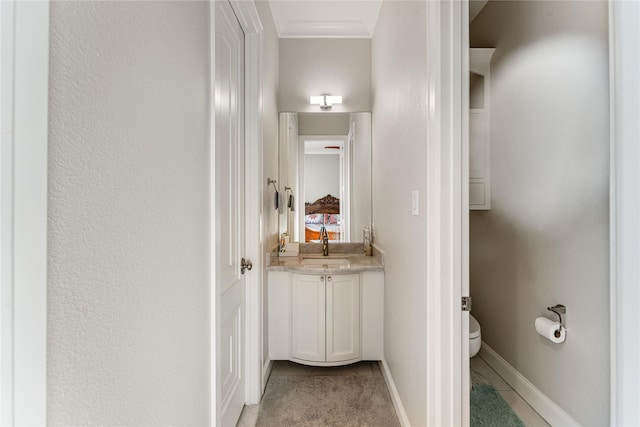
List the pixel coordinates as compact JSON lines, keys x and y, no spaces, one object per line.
{"x":245,"y":264}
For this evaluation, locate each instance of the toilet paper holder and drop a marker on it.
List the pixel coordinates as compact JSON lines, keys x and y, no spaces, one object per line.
{"x":559,"y":309}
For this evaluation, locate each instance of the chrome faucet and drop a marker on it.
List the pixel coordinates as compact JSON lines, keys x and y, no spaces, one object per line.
{"x":324,"y":236}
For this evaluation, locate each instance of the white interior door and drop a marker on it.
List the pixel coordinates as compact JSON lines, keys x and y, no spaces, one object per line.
{"x":229,"y":206}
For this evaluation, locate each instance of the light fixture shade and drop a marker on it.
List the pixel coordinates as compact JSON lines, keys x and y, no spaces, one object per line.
{"x":325,"y":101}
{"x":333,"y":100}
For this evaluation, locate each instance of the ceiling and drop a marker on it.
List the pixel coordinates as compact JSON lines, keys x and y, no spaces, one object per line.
{"x":334,"y":19}
{"x":325,"y":18}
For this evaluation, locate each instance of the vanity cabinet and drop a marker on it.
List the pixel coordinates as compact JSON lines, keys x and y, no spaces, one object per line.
{"x":325,"y":319}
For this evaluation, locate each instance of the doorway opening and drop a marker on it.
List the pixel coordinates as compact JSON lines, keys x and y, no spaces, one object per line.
{"x":324,"y":183}
{"x":539,"y":196}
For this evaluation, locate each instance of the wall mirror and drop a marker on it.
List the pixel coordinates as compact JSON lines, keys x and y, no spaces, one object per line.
{"x":324,"y":175}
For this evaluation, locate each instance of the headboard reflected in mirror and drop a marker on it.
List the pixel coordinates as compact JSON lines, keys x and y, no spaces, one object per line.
{"x":324,"y":212}
{"x":325,"y":159}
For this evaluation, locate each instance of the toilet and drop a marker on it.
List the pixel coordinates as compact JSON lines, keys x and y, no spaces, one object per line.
{"x":474,"y":336}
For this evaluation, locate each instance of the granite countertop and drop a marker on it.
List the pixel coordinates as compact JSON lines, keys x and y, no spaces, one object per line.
{"x":357,"y":261}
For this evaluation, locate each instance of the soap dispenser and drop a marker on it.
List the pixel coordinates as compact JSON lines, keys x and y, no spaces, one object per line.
{"x":368,"y":249}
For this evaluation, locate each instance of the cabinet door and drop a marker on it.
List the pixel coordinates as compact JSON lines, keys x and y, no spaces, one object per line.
{"x":343,"y":317}
{"x":308,"y":317}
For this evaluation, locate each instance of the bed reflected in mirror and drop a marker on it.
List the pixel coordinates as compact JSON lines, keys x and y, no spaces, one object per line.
{"x":323,"y":213}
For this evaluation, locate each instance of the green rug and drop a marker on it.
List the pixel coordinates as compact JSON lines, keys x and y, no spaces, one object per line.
{"x":488,"y":409}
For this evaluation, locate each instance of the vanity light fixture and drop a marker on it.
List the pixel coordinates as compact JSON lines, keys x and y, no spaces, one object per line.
{"x":325,"y":101}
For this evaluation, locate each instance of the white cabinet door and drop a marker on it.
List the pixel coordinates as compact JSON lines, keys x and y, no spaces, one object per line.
{"x":308,"y":317}
{"x":343,"y":317}
{"x":479,"y":129}
{"x":479,"y":161}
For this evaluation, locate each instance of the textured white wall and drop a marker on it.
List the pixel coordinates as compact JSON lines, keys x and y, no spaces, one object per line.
{"x":317,"y":66}
{"x":128,"y":316}
{"x":545,"y":240}
{"x":270,"y":85}
{"x":399,"y":70}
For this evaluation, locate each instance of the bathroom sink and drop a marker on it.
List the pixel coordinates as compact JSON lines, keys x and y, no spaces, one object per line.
{"x":328,"y":262}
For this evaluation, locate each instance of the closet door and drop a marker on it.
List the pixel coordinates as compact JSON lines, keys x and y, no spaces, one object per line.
{"x":308,"y":317}
{"x":229,"y":208}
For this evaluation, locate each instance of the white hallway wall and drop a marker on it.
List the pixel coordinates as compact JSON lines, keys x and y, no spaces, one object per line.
{"x":546,"y":238}
{"x":128,"y":315}
{"x":399,"y":70}
{"x":318,"y":66}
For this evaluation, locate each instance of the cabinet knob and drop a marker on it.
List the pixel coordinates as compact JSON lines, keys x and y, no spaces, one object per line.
{"x":329,"y":278}
{"x":322,"y":278}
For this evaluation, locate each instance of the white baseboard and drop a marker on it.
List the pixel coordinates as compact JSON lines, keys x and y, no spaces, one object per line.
{"x":266,"y":371}
{"x":544,"y":406}
{"x":395,"y":397}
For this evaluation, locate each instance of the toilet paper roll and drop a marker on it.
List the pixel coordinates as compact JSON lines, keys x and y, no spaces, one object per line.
{"x":551,"y":330}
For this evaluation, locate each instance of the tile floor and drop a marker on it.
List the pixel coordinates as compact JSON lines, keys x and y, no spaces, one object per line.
{"x":481,"y":373}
